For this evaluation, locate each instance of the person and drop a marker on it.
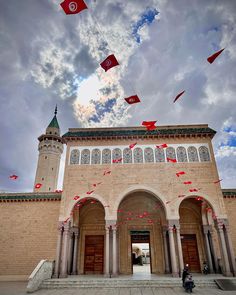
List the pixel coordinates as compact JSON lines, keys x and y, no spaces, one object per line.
{"x":205,"y":268}
{"x":189,"y":283}
{"x":185,"y":273}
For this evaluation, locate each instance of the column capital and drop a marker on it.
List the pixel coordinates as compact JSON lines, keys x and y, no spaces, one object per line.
{"x":172,"y":222}
{"x":110,"y":222}
{"x":67,"y":227}
{"x":206,"y":228}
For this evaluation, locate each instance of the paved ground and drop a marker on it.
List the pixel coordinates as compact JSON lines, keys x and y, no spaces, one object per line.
{"x":18,"y":288}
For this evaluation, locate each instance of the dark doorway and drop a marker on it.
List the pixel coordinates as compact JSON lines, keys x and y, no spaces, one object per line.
{"x":94,"y":251}
{"x":190,"y":252}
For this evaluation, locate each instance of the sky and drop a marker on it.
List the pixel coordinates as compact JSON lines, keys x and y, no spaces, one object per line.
{"x":49,"y":58}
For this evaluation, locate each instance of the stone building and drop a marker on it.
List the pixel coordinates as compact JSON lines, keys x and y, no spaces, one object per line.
{"x":121,"y":186}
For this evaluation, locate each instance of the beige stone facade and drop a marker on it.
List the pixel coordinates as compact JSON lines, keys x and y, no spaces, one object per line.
{"x":114,"y":195}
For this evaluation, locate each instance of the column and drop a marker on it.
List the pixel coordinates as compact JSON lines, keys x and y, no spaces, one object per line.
{"x":107,"y":253}
{"x":70,"y":251}
{"x":75,"y":252}
{"x":231,"y":250}
{"x":166,"y":256}
{"x":63,"y":273}
{"x":58,"y":251}
{"x":180,"y":251}
{"x":224,"y":251}
{"x":213,"y":250}
{"x":208,"y":250}
{"x":172,"y":252}
{"x":114,"y":257}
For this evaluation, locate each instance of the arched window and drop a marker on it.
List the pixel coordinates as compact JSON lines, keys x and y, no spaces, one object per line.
{"x":170,"y":153}
{"x":96,"y":156}
{"x":138,"y":155}
{"x":192,"y":154}
{"x":74,"y":157}
{"x":85,"y":156}
{"x":127,"y":155}
{"x":160,"y":155}
{"x":106,"y":156}
{"x":204,"y":154}
{"x":148,"y":155}
{"x":181,"y":154}
{"x":117,"y":155}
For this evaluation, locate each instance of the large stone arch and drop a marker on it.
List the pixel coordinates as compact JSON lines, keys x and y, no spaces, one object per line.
{"x":73,"y":202}
{"x":140,"y":188}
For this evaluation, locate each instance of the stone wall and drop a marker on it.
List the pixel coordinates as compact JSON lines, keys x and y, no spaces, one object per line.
{"x":28,"y":233}
{"x":230,"y":204}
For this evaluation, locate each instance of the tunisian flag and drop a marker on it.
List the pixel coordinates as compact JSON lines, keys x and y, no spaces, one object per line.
{"x":73,"y":6}
{"x":109,"y":62}
{"x":214,"y":56}
{"x":132,"y":99}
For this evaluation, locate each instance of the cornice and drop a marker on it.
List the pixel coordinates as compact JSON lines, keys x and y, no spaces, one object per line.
{"x":138,"y":132}
{"x":29,"y":197}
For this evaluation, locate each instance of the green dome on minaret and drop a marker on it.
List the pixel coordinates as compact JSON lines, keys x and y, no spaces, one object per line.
{"x":54,"y":122}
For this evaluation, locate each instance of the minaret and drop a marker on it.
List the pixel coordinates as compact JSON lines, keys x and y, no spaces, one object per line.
{"x":50,"y":149}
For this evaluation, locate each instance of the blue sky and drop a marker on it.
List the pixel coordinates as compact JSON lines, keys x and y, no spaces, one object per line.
{"x":49,"y":58}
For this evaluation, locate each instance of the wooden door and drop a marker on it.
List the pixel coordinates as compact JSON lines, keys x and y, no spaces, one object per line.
{"x":190,"y":252}
{"x":94,"y":252}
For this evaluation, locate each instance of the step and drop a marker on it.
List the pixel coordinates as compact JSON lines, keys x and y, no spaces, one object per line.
{"x":122,"y":283}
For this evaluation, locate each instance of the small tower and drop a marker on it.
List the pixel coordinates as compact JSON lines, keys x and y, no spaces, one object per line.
{"x":50,"y":149}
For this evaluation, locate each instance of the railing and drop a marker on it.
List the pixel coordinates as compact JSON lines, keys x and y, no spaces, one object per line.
{"x":42,"y":272}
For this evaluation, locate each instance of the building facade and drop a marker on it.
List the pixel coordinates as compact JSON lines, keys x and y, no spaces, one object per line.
{"x":122,"y":186}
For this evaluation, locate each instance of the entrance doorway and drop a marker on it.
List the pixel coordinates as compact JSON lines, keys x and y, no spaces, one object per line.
{"x":190,"y":252}
{"x":141,"y":254}
{"x":94,"y":250}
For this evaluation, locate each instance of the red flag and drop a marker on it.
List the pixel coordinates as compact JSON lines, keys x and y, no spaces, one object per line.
{"x":96,"y":184}
{"x":107,"y":172}
{"x":148,"y":123}
{"x":199,"y":198}
{"x":132,"y":145}
{"x":58,"y":191}
{"x":214,"y":56}
{"x":66,"y":220}
{"x":193,"y":190}
{"x":117,"y":160}
{"x":73,"y":6}
{"x":89,"y":193}
{"x":38,"y":185}
{"x":171,"y":160}
{"x":132,"y":99}
{"x":217,"y":181}
{"x":178,"y":96}
{"x":180,"y":173}
{"x":162,"y":146}
{"x":109,"y":62}
{"x":13,"y":177}
{"x":76,"y":198}
{"x":187,"y":182}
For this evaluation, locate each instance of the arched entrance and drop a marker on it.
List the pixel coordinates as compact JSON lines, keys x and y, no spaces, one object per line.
{"x":90,"y":219}
{"x":197,"y":234}
{"x":140,"y":221}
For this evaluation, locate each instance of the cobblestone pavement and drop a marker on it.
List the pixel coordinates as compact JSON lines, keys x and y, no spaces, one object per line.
{"x":18,"y":288}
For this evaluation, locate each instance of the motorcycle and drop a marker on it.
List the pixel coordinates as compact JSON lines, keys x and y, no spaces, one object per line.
{"x":205,"y":269}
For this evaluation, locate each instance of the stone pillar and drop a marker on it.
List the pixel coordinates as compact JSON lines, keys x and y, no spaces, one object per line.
{"x":231,"y":250}
{"x":166,"y":256}
{"x":71,"y":245}
{"x":63,"y":273}
{"x":212,"y":246}
{"x":172,"y":252}
{"x":208,"y":250}
{"x":224,"y":251}
{"x":107,"y":249}
{"x":58,"y":251}
{"x":180,"y":251}
{"x":114,"y":257}
{"x":75,"y":252}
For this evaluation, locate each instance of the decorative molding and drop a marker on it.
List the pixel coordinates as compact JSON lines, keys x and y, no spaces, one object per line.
{"x":29,"y":197}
